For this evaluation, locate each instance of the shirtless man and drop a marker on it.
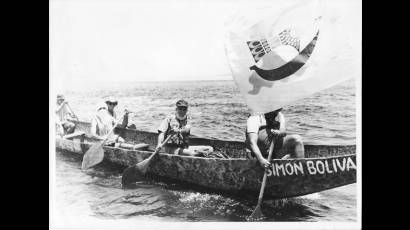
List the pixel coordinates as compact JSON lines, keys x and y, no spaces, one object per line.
{"x":262,"y":129}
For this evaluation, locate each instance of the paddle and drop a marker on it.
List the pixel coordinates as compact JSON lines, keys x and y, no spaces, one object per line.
{"x":72,"y":135}
{"x":257,"y":213}
{"x":132,"y":173}
{"x":72,"y":111}
{"x":95,"y":154}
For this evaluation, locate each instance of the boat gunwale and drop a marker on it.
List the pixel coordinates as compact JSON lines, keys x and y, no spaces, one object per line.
{"x":202,"y":158}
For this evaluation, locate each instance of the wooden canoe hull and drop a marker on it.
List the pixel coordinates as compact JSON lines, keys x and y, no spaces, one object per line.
{"x":287,"y":178}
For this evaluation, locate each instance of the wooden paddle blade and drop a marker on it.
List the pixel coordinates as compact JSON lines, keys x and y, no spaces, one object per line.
{"x":75,"y":134}
{"x":131,"y":175}
{"x":136,"y":172}
{"x":256,"y":214}
{"x":93,"y":156}
{"x":143,"y":165}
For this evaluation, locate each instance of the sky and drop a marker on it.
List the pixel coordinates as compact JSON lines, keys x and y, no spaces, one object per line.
{"x":137,"y":40}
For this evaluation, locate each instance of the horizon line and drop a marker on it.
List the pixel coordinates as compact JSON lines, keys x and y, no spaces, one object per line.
{"x":168,"y":80}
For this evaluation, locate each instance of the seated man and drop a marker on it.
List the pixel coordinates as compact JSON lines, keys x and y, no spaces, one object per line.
{"x":262,"y":129}
{"x":103,"y":122}
{"x":63,"y":113}
{"x":178,"y":125}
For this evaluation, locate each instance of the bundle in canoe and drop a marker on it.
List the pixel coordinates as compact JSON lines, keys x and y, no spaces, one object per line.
{"x":325,"y":167}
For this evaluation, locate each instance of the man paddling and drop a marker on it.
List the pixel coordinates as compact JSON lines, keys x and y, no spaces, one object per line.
{"x":103,"y":126}
{"x":105,"y":119}
{"x":262,"y":129}
{"x":178,"y":125}
{"x":63,"y":113}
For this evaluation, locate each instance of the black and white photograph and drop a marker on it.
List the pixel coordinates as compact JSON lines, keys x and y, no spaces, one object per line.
{"x":205,"y":114}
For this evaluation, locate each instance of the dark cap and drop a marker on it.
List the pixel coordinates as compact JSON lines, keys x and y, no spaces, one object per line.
{"x":181,"y":103}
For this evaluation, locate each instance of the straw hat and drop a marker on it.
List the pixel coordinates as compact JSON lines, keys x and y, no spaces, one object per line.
{"x":111,"y":100}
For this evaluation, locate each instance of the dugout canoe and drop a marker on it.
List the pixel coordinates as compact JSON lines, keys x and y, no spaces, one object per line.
{"x":325,"y":167}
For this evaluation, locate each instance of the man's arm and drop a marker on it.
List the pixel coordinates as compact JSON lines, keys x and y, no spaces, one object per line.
{"x":94,"y":127}
{"x":186,"y":130}
{"x":161,"y":136}
{"x":282,"y":126}
{"x":162,"y":129}
{"x":252,"y":128}
{"x":60,"y":106}
{"x":253,"y":139}
{"x":125,"y":120}
{"x":59,"y":129}
{"x":70,"y":111}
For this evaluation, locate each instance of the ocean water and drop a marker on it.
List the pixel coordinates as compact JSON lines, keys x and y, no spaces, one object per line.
{"x":218,"y":111}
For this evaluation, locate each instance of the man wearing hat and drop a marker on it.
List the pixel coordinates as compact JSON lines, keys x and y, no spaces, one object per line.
{"x":104,"y":120}
{"x":178,"y":125}
{"x":63,"y":113}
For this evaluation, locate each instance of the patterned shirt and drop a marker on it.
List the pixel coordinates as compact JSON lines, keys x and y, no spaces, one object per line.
{"x":180,"y":140}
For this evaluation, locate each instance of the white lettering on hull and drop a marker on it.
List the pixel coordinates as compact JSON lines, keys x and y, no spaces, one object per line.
{"x":311,"y":167}
{"x":298,"y":168}
{"x":350,"y":164}
{"x":320,"y":167}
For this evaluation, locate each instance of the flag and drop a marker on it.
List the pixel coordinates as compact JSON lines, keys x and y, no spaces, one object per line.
{"x":284,"y":50}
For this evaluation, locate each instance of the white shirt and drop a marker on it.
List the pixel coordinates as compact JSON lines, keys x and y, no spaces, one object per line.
{"x":103,"y":122}
{"x":63,"y":113}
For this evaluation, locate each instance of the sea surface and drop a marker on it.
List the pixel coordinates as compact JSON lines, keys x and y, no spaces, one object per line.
{"x":218,"y":111}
